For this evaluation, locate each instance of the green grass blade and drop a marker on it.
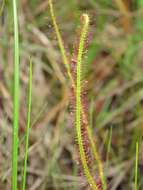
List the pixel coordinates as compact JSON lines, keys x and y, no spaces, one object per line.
{"x":28,"y":126}
{"x":136,"y":167}
{"x":16,"y":99}
{"x":108,"y":147}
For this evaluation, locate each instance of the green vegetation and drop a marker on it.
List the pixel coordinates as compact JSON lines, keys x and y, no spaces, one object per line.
{"x":28,"y":126}
{"x":16,"y":99}
{"x":136,"y":166}
{"x":80,"y":125}
{"x":85,"y":20}
{"x":79,"y":107}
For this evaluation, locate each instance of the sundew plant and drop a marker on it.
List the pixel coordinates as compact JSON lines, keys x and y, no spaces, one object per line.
{"x":81,"y":121}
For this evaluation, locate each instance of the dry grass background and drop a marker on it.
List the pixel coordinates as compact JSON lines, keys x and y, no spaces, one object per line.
{"x":114,"y":67}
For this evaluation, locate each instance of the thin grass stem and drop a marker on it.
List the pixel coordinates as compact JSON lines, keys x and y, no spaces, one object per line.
{"x":16,"y":99}
{"x":109,"y":147}
{"x":136,"y":167}
{"x":27,"y":126}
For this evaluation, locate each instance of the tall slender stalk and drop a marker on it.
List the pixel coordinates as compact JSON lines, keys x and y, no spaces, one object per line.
{"x":78,"y":103}
{"x":136,"y":167}
{"x":27,"y":126}
{"x":16,"y":99}
{"x":66,"y":63}
{"x":108,"y":147}
{"x":60,"y":41}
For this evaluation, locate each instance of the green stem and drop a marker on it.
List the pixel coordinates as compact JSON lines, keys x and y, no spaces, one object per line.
{"x":16,"y":99}
{"x":136,"y":166}
{"x":28,"y":126}
{"x":60,"y":41}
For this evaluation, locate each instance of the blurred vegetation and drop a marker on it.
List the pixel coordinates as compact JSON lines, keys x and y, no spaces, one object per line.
{"x":113,"y":71}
